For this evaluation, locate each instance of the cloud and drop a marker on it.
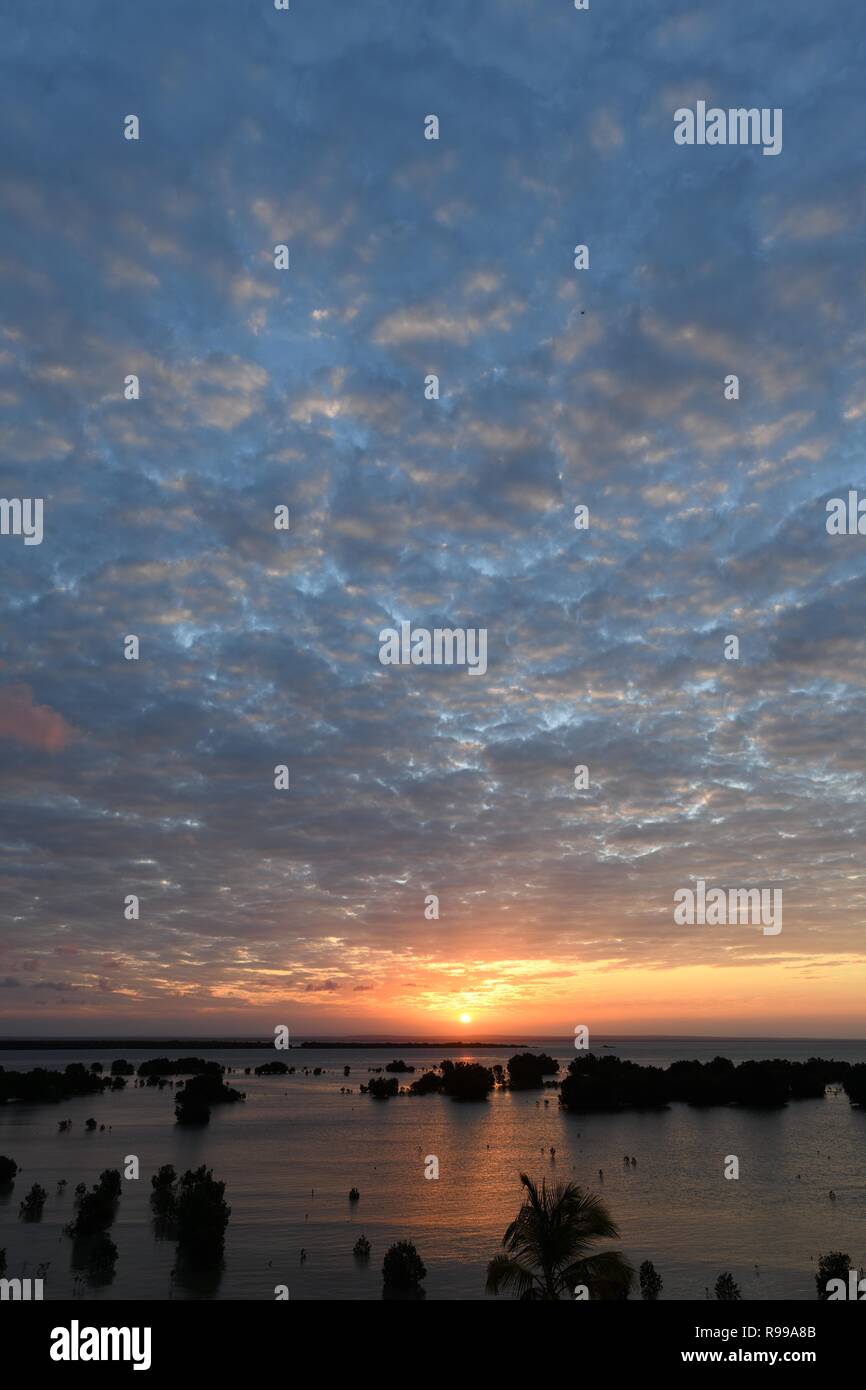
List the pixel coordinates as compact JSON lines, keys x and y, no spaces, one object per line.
{"x":38,"y":726}
{"x":305,"y":388}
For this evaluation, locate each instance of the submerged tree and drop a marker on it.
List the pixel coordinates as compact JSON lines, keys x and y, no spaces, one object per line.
{"x":651,"y":1282}
{"x":202,"y":1216}
{"x":835,"y":1265}
{"x":162,"y":1183}
{"x":8,"y":1169}
{"x":612,"y":1083}
{"x":382,"y":1088}
{"x":726,"y":1290}
{"x":38,"y":1086}
{"x":203,"y":1090}
{"x":163,"y":1201}
{"x":96,"y":1209}
{"x":31,"y":1208}
{"x":549,"y":1247}
{"x":527,"y":1070}
{"x":403,"y":1267}
{"x":427,"y":1084}
{"x":466,"y":1080}
{"x":101,"y":1256}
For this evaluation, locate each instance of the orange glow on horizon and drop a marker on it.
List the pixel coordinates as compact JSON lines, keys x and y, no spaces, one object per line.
{"x":784,"y":994}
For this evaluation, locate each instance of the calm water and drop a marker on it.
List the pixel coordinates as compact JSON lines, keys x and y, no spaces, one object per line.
{"x":295,"y":1135}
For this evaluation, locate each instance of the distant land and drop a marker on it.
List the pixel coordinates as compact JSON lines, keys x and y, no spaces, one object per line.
{"x":452,"y":1046}
{"x":174,"y":1042}
{"x":221,"y":1044}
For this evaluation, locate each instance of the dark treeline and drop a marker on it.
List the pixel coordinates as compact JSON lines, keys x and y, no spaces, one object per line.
{"x":41,"y":1085}
{"x":468,"y":1080}
{"x":610,"y":1083}
{"x":592,"y":1083}
{"x":527,"y":1070}
{"x":181,"y":1066}
{"x":854,"y":1082}
{"x":459,"y":1080}
{"x":151,"y":1045}
{"x":204,"y":1089}
{"x":227,"y":1044}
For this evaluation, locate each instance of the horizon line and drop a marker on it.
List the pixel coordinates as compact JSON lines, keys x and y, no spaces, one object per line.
{"x":172,"y":1036}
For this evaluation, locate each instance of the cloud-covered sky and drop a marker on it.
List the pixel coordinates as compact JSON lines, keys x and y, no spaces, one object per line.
{"x":305,"y":387}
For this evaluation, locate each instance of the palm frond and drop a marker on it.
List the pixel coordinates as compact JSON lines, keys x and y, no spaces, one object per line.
{"x":550,"y":1242}
{"x":607,"y":1267}
{"x":505,"y":1273}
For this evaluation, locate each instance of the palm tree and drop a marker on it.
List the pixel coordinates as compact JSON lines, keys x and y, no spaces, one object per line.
{"x":548,"y":1247}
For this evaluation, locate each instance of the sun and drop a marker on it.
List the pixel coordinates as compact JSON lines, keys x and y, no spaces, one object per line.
{"x":465,"y":1018}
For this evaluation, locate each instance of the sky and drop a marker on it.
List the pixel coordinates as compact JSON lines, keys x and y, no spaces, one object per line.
{"x":305,"y":387}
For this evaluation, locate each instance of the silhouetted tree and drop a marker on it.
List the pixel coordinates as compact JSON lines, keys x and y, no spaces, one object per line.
{"x":427,"y":1084}
{"x":855,"y":1084}
{"x":549,"y":1247}
{"x":403,"y":1267}
{"x":40,"y":1086}
{"x":202,"y":1216}
{"x":466,"y":1080}
{"x":162,"y":1182}
{"x":102,"y":1254}
{"x":382,"y":1087}
{"x":764,"y":1085}
{"x":8,"y":1169}
{"x":835,"y":1265}
{"x":31,"y":1208}
{"x":181,"y":1066}
{"x":726,"y":1290}
{"x":610,"y":1083}
{"x":651,"y":1282}
{"x":526,"y":1070}
{"x":201,"y":1092}
{"x":96,"y":1209}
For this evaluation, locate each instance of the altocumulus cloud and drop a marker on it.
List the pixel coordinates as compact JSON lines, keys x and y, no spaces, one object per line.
{"x":558,"y":387}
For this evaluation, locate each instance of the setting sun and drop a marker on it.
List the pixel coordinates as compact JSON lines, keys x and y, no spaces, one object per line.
{"x":465,"y":1018}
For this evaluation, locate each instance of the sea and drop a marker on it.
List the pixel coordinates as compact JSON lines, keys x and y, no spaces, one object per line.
{"x":290,"y":1154}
